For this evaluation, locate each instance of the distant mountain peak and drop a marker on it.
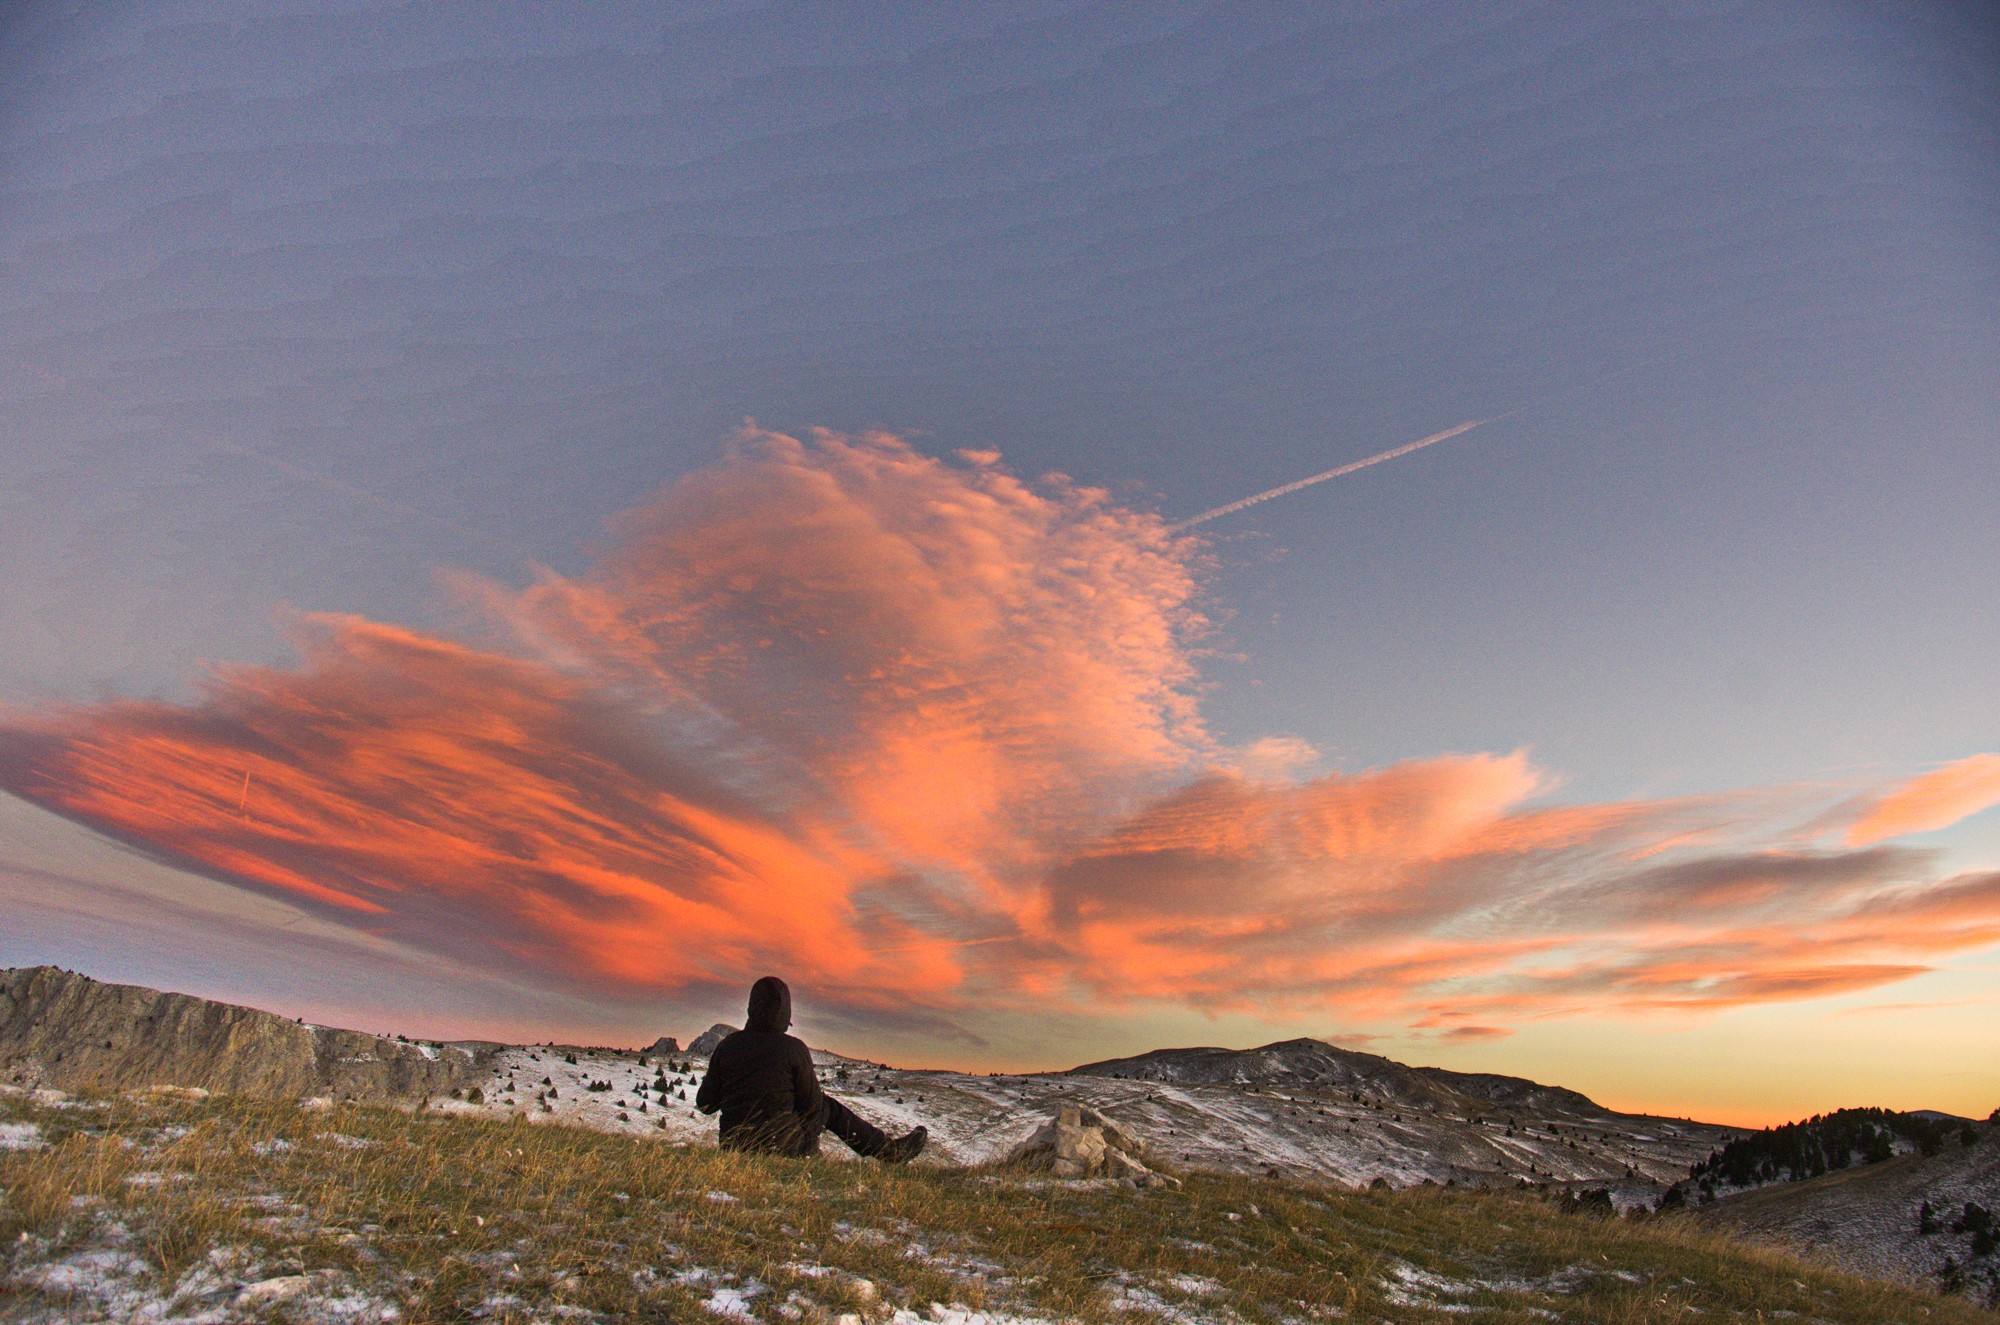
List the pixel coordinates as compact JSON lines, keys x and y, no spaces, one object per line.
{"x":1320,"y":1063}
{"x":704,"y":1044}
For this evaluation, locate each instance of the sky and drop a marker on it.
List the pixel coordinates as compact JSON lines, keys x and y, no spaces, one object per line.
{"x":518,"y":520}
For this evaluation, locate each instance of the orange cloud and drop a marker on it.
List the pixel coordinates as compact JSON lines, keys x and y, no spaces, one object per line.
{"x":473,"y":804}
{"x":1937,"y":799}
{"x":923,"y":736}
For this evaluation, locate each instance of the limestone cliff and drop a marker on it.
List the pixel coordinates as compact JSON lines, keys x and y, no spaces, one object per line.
{"x":68,"y":1031}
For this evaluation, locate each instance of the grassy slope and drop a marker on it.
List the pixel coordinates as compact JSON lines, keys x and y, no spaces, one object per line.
{"x":439,"y":1218}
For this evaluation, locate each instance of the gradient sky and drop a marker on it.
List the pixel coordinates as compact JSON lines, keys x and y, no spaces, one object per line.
{"x":403,"y":625}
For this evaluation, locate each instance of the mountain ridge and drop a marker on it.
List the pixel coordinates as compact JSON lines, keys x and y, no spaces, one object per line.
{"x":1306,"y":1060}
{"x":71,"y":1032}
{"x":1299,"y":1108}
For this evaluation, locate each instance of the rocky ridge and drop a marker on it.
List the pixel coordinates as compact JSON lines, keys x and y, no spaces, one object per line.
{"x":65,"y":1031}
{"x":1315,"y":1064}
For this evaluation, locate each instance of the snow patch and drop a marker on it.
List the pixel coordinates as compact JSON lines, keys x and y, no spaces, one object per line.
{"x":1139,"y":1299}
{"x":733,"y":1303}
{"x":21,"y":1136}
{"x":954,"y":1314}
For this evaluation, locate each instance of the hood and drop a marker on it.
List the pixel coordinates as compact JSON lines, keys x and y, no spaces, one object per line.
{"x":770,"y":1006}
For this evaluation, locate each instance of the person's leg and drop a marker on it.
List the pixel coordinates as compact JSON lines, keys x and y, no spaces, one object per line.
{"x":862,"y":1137}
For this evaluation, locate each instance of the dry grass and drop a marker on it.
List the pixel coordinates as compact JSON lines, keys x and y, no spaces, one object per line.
{"x":438,"y":1219}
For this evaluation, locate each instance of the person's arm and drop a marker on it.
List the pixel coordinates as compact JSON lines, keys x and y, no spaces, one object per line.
{"x":707,"y":1099}
{"x":806,"y":1094}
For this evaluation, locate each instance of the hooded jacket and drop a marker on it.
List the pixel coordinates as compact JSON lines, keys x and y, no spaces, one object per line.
{"x":761,"y":1080}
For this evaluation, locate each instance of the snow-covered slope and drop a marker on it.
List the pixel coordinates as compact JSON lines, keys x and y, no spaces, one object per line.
{"x":1302,"y":1109}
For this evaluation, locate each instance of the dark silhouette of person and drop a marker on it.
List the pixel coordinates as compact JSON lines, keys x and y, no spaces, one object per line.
{"x":761,"y":1081}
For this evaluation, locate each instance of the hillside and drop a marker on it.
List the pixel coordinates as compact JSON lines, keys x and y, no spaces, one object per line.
{"x":1870,"y":1218}
{"x":1253,"y":1125}
{"x":1315,"y":1063}
{"x":67,"y":1031}
{"x":159,"y":1207}
{"x":1302,"y":1109}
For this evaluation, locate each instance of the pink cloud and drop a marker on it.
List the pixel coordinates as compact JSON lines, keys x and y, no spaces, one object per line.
{"x":924,"y":736}
{"x":1935,"y":800}
{"x":1465,"y":1034}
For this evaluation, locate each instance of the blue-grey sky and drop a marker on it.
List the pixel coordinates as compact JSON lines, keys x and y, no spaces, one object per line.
{"x":302,"y":304}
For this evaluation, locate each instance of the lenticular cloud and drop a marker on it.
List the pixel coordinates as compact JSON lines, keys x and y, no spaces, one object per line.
{"x":922,"y":734}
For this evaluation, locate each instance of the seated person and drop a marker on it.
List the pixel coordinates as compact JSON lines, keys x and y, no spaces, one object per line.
{"x":761,"y":1081}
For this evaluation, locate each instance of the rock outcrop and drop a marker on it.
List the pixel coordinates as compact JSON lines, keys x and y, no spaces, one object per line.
{"x":1083,"y":1143}
{"x":704,"y":1044}
{"x":666,"y":1044}
{"x":70,"y":1032}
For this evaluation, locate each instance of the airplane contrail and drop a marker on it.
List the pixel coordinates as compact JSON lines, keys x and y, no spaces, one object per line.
{"x":1402,"y":450}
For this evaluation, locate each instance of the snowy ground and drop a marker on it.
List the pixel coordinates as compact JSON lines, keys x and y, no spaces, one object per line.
{"x":172,"y":1206}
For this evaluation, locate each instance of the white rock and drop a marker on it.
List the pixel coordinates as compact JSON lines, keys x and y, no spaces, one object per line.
{"x":1118,"y":1164}
{"x":1083,"y":1145}
{"x":266,"y":1291}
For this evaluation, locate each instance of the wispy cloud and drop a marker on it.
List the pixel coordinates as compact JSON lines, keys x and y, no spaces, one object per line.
{"x":1935,"y":800}
{"x":1470,"y":1034}
{"x":923,"y":736}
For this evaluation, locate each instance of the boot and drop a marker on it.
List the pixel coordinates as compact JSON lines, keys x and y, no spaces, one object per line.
{"x":903,"y":1149}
